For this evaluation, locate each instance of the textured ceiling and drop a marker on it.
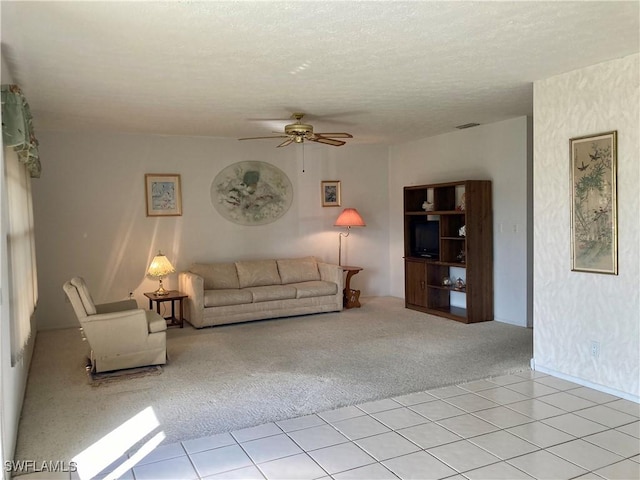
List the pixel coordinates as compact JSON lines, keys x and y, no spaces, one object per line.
{"x":386,"y":72}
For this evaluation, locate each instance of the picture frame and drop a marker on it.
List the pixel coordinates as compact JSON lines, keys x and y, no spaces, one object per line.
{"x":251,"y":193}
{"x":163,"y":194}
{"x":331,"y":194}
{"x":594,"y":208}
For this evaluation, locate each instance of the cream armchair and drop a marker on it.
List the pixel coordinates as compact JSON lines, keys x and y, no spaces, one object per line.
{"x":120,"y":334}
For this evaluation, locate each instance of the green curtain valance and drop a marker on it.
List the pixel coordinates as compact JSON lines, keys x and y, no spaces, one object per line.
{"x":17,"y":128}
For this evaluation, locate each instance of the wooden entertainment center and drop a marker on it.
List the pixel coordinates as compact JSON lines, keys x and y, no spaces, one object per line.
{"x":438,"y":252}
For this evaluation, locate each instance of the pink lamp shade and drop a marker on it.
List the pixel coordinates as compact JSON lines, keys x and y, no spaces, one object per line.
{"x":349,"y":218}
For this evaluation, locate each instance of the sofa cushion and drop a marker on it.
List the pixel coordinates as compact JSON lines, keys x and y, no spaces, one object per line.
{"x":217,"y":275}
{"x":294,"y":270}
{"x":223,"y":297}
{"x":317,"y":288}
{"x":257,"y":273}
{"x":272,"y":292}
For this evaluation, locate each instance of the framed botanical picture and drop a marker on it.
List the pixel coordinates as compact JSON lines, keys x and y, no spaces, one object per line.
{"x":330,"y":193}
{"x":594,"y":229}
{"x":163,"y":194}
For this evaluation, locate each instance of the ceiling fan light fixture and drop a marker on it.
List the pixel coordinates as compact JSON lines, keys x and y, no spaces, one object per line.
{"x":298,"y":132}
{"x":298,"y":129}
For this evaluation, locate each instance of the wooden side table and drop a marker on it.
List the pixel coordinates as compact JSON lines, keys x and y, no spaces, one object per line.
{"x":172,"y":297}
{"x":351,"y":297}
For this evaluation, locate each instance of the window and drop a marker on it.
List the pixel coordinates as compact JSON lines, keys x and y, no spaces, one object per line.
{"x":23,"y":286}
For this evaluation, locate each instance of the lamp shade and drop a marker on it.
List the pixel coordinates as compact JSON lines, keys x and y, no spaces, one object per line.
{"x":349,"y":218}
{"x":160,"y":266}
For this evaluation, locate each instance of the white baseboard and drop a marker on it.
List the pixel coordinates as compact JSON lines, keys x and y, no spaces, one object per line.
{"x":517,"y":323}
{"x":584,"y":383}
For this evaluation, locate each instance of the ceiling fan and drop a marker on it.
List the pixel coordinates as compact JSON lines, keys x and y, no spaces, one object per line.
{"x":298,"y":132}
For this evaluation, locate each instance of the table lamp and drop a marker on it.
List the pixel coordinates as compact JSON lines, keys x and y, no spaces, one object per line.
{"x":348,"y":218}
{"x":160,"y":267}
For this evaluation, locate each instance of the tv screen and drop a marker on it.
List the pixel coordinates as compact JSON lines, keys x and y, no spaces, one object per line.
{"x":426,"y":239}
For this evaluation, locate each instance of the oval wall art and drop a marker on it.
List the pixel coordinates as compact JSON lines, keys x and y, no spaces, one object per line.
{"x":251,"y":193}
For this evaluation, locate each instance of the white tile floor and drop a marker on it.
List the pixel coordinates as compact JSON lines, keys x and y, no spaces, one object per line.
{"x":519,"y":426}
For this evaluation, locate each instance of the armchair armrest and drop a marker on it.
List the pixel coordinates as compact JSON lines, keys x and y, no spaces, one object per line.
{"x":193,"y":286}
{"x":117,"y":306}
{"x":155,"y":322}
{"x":117,"y":331}
{"x":121,"y":317}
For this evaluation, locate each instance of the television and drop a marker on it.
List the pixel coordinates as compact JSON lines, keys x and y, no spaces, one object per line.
{"x":426,"y":239}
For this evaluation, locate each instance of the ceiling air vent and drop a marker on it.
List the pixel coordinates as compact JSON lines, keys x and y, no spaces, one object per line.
{"x":467,"y":125}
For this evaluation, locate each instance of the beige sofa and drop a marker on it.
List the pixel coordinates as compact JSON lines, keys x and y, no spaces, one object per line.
{"x":221,"y":293}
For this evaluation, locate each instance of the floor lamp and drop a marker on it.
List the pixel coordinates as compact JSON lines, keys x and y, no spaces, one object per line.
{"x":348,"y":218}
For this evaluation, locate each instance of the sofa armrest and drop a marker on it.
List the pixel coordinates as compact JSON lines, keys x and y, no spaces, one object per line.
{"x":330,"y":272}
{"x":117,"y":306}
{"x":193,"y":286}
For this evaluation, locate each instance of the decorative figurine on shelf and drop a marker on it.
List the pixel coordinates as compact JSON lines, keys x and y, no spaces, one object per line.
{"x":460,"y":284}
{"x":447,"y":282}
{"x":427,"y":206}
{"x":462,"y":205}
{"x":461,"y":256}
{"x":463,"y":231}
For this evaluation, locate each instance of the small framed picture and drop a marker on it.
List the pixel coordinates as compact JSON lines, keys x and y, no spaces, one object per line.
{"x":163,"y":194}
{"x":331,"y":193}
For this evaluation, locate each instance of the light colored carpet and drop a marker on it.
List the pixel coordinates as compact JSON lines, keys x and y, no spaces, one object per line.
{"x":230,"y":377}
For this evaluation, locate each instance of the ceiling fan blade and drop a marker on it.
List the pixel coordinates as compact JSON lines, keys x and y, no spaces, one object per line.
{"x":260,"y":138}
{"x":335,"y":135}
{"x":328,"y":141}
{"x":285,"y":143}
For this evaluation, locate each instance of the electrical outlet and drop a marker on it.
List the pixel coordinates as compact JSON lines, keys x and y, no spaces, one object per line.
{"x":595,"y":349}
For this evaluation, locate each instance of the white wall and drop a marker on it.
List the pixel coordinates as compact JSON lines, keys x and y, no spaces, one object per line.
{"x":89,"y":209}
{"x":496,"y":152}
{"x":572,"y":309}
